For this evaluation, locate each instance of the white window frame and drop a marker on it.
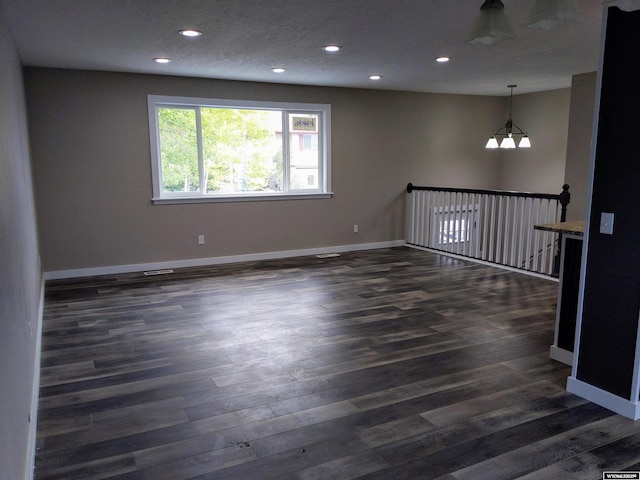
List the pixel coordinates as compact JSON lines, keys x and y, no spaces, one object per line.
{"x":324,"y":146}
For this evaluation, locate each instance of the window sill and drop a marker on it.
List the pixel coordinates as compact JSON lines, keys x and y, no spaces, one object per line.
{"x":240,"y":198}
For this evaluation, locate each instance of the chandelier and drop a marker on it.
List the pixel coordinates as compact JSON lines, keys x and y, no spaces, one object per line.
{"x":508,"y":132}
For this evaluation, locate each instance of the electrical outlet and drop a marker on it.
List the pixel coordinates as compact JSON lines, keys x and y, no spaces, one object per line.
{"x":355,"y":228}
{"x":200,"y":239}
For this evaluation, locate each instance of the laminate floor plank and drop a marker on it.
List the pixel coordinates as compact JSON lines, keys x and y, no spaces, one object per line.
{"x":549,"y":450}
{"x":96,"y":470}
{"x":383,"y":364}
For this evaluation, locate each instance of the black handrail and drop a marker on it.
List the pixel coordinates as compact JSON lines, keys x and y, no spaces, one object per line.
{"x":563,"y":197}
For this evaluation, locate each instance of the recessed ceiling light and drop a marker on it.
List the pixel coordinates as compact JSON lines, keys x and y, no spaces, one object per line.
{"x":443,"y":59}
{"x":161,"y":60}
{"x":190,"y":33}
{"x":331,"y":48}
{"x":375,"y":77}
{"x":278,"y":70}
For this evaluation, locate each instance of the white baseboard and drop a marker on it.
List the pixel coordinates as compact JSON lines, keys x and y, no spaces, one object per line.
{"x":35,"y":392}
{"x":561,"y":355}
{"x":605,"y":399}
{"x":200,"y":262}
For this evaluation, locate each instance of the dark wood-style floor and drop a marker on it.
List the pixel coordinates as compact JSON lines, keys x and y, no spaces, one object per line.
{"x":386,"y":364}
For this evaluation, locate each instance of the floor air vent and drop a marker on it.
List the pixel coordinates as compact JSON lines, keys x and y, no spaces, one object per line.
{"x":158,"y":272}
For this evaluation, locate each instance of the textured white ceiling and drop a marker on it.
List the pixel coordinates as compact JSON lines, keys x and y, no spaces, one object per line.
{"x":244,"y":39}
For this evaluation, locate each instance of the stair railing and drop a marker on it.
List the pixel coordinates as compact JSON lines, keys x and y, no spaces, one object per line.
{"x":494,"y":226}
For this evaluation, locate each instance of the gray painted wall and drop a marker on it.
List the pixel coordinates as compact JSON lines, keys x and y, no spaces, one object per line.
{"x":583,"y":96}
{"x":93,"y":177}
{"x":20,"y":276}
{"x":544,"y":116}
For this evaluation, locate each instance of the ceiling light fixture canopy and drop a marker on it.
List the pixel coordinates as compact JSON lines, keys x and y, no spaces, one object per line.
{"x":492,"y":25}
{"x":508,"y":132}
{"x":550,"y":14}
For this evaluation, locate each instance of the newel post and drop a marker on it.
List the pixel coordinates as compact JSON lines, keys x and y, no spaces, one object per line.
{"x":565,"y":198}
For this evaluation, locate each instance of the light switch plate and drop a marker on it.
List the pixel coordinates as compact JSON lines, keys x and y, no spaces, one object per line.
{"x":606,"y":223}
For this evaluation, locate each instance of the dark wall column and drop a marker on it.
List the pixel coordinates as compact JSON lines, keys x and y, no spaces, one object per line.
{"x":606,"y":362}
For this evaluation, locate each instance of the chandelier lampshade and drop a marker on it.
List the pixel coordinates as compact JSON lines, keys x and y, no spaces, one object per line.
{"x":492,"y":25}
{"x":550,"y":14}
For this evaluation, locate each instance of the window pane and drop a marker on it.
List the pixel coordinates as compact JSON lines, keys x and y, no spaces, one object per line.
{"x":219,"y":149}
{"x":242,"y":150}
{"x":303,"y":151}
{"x":453,"y":231}
{"x":178,"y":149}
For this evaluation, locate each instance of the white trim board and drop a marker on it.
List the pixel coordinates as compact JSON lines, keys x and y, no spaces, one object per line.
{"x":35,"y":392}
{"x":605,"y":399}
{"x":200,"y":262}
{"x":561,"y":355}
